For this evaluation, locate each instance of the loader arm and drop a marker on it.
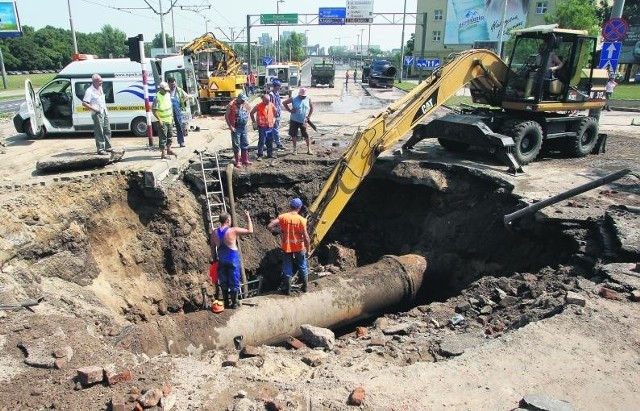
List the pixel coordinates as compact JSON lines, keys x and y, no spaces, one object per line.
{"x":208,"y":41}
{"x":484,"y":69}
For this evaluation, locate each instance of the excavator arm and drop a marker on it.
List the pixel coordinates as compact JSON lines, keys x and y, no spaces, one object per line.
{"x":209,"y":42}
{"x":484,"y":69}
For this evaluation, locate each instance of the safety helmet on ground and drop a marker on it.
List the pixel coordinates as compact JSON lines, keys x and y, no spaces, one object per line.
{"x":217,"y":306}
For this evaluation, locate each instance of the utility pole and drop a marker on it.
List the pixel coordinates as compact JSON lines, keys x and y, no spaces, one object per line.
{"x":361,"y":51}
{"x":503,"y":26}
{"x":404,"y":18}
{"x":616,"y":10}
{"x":161,"y":14}
{"x":73,"y":32}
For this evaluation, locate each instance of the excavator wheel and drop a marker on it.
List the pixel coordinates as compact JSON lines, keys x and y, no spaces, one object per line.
{"x":586,"y":137}
{"x":527,"y":136}
{"x":453,"y":146}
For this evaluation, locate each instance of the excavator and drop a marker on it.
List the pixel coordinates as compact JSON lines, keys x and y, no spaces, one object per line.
{"x":523,"y":104}
{"x":218,"y":70}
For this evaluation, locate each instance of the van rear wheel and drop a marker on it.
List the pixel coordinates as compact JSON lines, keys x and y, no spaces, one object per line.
{"x":139,"y":127}
{"x":34,"y":135}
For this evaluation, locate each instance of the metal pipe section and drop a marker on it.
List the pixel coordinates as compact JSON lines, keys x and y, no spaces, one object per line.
{"x":509,"y":218}
{"x":331,"y":302}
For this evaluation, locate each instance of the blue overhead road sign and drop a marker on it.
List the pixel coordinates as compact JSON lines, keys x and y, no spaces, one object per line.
{"x":609,"y":55}
{"x":332,"y":15}
{"x":615,"y":29}
{"x":408,"y":61}
{"x":267,"y":60}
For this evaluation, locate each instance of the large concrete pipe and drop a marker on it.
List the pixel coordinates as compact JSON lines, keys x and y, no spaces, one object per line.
{"x":331,"y":302}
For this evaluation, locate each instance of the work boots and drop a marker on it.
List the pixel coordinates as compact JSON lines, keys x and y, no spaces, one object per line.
{"x":237,"y":163}
{"x":305,"y":283}
{"x":225,"y":299}
{"x":234,"y":300}
{"x":287,"y":285}
{"x":245,"y":157}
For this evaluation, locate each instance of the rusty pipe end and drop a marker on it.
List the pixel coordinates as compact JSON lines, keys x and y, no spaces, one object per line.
{"x":414,"y":267}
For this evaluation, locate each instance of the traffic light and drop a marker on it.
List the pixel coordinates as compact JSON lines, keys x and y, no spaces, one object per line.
{"x":135,"y":54}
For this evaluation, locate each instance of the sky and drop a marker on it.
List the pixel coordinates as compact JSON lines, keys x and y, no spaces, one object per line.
{"x":192,"y":18}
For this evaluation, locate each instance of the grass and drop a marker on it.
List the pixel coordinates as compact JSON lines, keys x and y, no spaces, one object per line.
{"x":16,"y":82}
{"x":627,"y":92}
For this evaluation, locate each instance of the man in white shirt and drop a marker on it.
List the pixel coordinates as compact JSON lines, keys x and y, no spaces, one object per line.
{"x":95,"y":102}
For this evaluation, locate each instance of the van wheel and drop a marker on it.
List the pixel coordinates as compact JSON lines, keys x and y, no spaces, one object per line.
{"x":139,"y":127}
{"x":586,"y":137}
{"x":527,"y":136}
{"x":37,"y":135}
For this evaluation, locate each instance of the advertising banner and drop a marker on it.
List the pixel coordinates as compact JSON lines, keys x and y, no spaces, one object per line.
{"x":630,"y":53}
{"x":9,"y":20}
{"x":470,"y":21}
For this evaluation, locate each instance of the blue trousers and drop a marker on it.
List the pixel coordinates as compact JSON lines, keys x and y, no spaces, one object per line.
{"x":298,"y":258}
{"x":265,"y":136}
{"x":177,"y":120}
{"x":229,"y":272}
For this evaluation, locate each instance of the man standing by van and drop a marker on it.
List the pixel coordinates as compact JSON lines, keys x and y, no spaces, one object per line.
{"x":95,"y":102}
{"x":179,"y":99}
{"x":162,"y":109}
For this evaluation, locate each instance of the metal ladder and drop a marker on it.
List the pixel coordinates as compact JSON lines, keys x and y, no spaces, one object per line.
{"x":213,"y":188}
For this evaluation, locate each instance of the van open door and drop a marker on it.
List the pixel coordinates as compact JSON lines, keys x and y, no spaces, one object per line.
{"x":35,"y":126}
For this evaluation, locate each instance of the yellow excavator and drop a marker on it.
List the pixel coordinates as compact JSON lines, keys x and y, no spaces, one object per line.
{"x":529,"y":101}
{"x":218,"y":70}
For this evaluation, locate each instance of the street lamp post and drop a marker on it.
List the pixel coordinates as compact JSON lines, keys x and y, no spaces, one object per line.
{"x":404,"y":17}
{"x":278,"y":19}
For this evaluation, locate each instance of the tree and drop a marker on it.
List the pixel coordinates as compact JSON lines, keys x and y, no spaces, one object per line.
{"x":631,"y":11}
{"x":294,"y":47}
{"x":410,"y":45}
{"x":157,"y":41}
{"x":577,"y":15}
{"x":112,"y":42}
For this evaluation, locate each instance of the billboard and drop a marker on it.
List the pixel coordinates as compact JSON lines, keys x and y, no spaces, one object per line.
{"x":470,"y":21}
{"x":9,"y":20}
{"x":630,"y":53}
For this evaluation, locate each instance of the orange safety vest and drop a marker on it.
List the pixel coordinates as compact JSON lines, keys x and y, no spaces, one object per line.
{"x":266,"y":117}
{"x":293,"y":227}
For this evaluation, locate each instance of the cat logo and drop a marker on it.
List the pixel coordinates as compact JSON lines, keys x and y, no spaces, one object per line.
{"x":426,"y":107}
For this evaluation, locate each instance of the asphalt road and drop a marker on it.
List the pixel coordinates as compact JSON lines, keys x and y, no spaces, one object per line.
{"x":10,"y":105}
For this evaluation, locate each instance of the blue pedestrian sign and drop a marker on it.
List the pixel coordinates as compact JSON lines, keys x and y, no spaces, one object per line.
{"x":266,"y":60}
{"x":332,"y":15}
{"x":426,"y":64}
{"x":609,"y":55}
{"x":408,"y":61}
{"x":615,"y":29}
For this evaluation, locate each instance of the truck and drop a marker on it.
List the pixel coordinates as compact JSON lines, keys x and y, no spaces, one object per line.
{"x":218,"y":70}
{"x":523,"y":108}
{"x":56,"y":108}
{"x":381,"y":73}
{"x":323,"y":74}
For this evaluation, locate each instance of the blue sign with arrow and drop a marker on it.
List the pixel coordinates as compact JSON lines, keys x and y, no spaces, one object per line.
{"x":609,"y":55}
{"x":266,"y":60}
{"x":408,"y":61}
{"x":425,"y":64}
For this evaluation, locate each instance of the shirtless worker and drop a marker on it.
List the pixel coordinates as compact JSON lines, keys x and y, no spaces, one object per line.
{"x":224,"y":240}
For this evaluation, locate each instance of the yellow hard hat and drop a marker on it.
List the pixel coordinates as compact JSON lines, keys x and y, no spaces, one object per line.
{"x":217,"y":306}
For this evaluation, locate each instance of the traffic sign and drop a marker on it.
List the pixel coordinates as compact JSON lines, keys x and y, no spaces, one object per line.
{"x":615,"y":29}
{"x":424,"y":64}
{"x":408,"y":61}
{"x":359,"y":11}
{"x":266,"y":60}
{"x":332,"y":15}
{"x":609,"y":55}
{"x":289,"y":18}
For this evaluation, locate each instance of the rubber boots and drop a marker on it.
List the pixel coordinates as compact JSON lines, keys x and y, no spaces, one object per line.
{"x":245,"y":157}
{"x":234,"y":300}
{"x":287,"y":285}
{"x":305,"y":283}
{"x":236,"y":156}
{"x":225,"y":299}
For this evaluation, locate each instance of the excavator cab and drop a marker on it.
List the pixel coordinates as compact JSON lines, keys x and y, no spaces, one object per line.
{"x":548,"y":64}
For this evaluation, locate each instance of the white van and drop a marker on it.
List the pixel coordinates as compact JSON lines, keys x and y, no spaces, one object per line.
{"x":57,"y":106}
{"x":282,"y":72}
